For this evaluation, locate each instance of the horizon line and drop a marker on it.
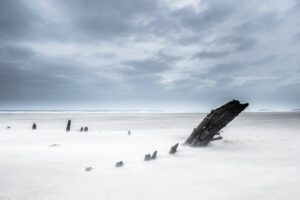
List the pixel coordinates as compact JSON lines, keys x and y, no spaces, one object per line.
{"x":129,"y":111}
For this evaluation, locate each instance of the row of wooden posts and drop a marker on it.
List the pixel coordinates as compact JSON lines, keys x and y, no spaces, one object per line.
{"x":68,"y":128}
{"x":149,"y":157}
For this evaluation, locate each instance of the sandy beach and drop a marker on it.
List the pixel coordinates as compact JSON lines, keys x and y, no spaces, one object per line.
{"x":257,"y":159}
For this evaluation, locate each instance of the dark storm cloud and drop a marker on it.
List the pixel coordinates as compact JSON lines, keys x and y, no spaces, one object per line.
{"x":110,"y":51}
{"x":17,"y":20}
{"x":13,"y":53}
{"x":25,"y":76}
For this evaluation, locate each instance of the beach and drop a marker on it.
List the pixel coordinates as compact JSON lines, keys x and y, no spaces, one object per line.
{"x":258,"y":157}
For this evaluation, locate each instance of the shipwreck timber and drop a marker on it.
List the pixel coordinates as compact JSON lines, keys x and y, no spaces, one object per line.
{"x":208,"y":129}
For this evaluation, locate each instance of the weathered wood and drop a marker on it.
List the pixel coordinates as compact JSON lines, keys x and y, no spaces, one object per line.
{"x":214,"y":122}
{"x":68,"y":126}
{"x":119,"y":164}
{"x":33,"y":126}
{"x":173,"y":149}
{"x":88,"y":169}
{"x":153,"y":157}
{"x":147,"y":157}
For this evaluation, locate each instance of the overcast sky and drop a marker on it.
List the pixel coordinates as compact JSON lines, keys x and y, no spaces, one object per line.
{"x":149,"y":54}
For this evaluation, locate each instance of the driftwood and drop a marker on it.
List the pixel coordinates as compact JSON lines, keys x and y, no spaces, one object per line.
{"x":68,"y":126}
{"x":173,"y":149}
{"x":214,"y":122}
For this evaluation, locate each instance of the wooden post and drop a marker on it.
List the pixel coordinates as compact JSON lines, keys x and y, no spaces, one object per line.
{"x":33,"y":126}
{"x":153,"y":157}
{"x":68,"y":126}
{"x":173,"y":149}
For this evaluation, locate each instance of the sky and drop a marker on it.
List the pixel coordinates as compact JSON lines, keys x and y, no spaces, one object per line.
{"x":149,"y":54}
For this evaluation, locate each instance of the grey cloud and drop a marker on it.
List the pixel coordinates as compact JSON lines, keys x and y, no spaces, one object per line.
{"x":17,"y":21}
{"x":226,"y":69}
{"x":148,"y":66}
{"x":84,"y":21}
{"x":211,"y":54}
{"x":14,"y":53}
{"x":101,"y":55}
{"x":265,"y":60}
{"x":247,"y":67}
{"x":234,"y":38}
{"x":106,"y":18}
{"x":188,"y":40}
{"x":240,"y":43}
{"x":167,"y":58}
{"x":258,"y":23}
{"x":295,"y":8}
{"x":216,"y":13}
{"x":37,"y":79}
{"x":297,"y":37}
{"x":222,"y":90}
{"x":153,"y":65}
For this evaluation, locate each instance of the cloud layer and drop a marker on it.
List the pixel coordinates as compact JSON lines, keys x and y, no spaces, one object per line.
{"x":140,"y":54}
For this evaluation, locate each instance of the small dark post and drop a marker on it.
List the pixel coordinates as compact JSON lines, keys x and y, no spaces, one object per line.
{"x":147,"y":157}
{"x":119,"y":164}
{"x":86,"y":129}
{"x":129,"y":132}
{"x":154,"y":155}
{"x":33,"y":126}
{"x":88,"y":169}
{"x":81,"y":129}
{"x":173,"y":149}
{"x":68,"y":126}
